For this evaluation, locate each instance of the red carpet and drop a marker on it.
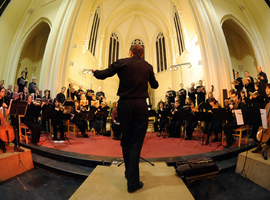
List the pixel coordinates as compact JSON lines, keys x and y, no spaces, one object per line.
{"x":153,"y":146}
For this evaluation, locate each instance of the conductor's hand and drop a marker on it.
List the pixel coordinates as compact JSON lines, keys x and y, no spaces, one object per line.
{"x":93,"y":70}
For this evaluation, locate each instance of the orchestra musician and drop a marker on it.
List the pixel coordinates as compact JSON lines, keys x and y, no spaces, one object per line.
{"x":192,"y":122}
{"x":71,"y":92}
{"x":238,"y":84}
{"x":29,"y":119}
{"x":9,"y":92}
{"x":32,"y":86}
{"x":115,"y":122}
{"x":171,"y":94}
{"x":76,"y":118}
{"x":3,"y":105}
{"x":162,"y":118}
{"x":167,"y":103}
{"x":254,"y":133}
{"x":245,"y":100}
{"x":200,"y":91}
{"x":231,"y":125}
{"x":192,"y":93}
{"x":22,"y":81}
{"x":182,"y":95}
{"x":257,"y":97}
{"x":35,"y":95}
{"x":213,"y":124}
{"x":95,"y":122}
{"x":46,"y":110}
{"x":249,"y":84}
{"x":61,"y":96}
{"x":80,"y":92}
{"x":100,"y":95}
{"x":174,"y":126}
{"x":25,"y":93}
{"x":57,"y":112}
{"x":262,"y":80}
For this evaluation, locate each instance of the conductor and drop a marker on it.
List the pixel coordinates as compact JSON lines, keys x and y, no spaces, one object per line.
{"x":134,"y":74}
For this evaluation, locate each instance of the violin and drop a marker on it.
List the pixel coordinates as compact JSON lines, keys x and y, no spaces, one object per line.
{"x":6,"y":130}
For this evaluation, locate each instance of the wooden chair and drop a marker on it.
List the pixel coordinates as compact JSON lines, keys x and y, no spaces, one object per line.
{"x":239,"y":132}
{"x":151,"y":121}
{"x":72,"y":128}
{"x":27,"y":131}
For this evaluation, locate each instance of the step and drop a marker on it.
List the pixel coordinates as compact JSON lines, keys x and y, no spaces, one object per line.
{"x":63,"y":168}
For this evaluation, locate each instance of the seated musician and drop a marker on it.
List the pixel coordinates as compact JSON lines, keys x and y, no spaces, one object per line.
{"x":244,"y":100}
{"x":115,"y":122}
{"x":259,"y":143}
{"x":100,"y":94}
{"x":3,"y":105}
{"x":79,"y":92}
{"x":61,"y":96}
{"x":76,"y":118}
{"x":46,"y":110}
{"x":174,"y":127}
{"x":213,"y":124}
{"x":57,"y":112}
{"x":95,"y":122}
{"x":29,"y":119}
{"x":36,"y":94}
{"x":162,"y":118}
{"x":231,"y":125}
{"x":167,"y":103}
{"x":192,"y":122}
{"x":24,"y":94}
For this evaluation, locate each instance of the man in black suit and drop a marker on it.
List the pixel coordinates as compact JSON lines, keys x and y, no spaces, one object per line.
{"x":134,"y":74}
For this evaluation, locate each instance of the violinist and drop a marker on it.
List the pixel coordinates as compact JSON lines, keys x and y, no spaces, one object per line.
{"x":259,"y":143}
{"x":244,"y":100}
{"x":174,"y":126}
{"x":238,"y":84}
{"x":192,"y":122}
{"x":200,"y":91}
{"x":80,"y":92}
{"x":57,"y":112}
{"x":213,"y":124}
{"x":29,"y":120}
{"x":61,"y":96}
{"x":192,"y":93}
{"x":76,"y":118}
{"x":115,"y":122}
{"x":231,"y":125}
{"x":3,"y":105}
{"x":162,"y":118}
{"x":25,"y":93}
{"x":182,"y":95}
{"x":46,"y":110}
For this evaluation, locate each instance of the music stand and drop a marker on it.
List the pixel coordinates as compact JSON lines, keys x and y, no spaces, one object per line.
{"x":102,"y":114}
{"x":222,"y":115}
{"x":201,"y":116}
{"x":17,"y":107}
{"x":184,"y":115}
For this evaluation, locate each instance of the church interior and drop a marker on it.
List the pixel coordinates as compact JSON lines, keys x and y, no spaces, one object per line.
{"x":59,"y":42}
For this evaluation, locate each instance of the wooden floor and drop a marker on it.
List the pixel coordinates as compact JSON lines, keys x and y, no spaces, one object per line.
{"x":160,"y":182}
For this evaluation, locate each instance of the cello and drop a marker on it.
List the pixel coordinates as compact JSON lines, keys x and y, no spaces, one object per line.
{"x":6,"y":130}
{"x":263,"y":134}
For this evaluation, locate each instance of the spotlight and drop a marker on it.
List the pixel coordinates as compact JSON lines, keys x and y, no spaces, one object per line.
{"x":175,"y":68}
{"x":84,"y":72}
{"x":89,"y":72}
{"x":170,"y":69}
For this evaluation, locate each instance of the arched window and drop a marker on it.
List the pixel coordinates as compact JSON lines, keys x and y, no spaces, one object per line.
{"x":161,"y":53}
{"x":179,"y":31}
{"x":138,"y":41}
{"x":94,"y":32}
{"x":3,"y":5}
{"x":114,"y":48}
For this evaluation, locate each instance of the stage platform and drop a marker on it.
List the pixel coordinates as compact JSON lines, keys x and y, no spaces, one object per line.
{"x":160,"y":182}
{"x":14,"y":163}
{"x":255,"y":168}
{"x":78,"y":157}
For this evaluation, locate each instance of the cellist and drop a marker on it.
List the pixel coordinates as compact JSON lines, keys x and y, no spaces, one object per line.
{"x":3,"y":105}
{"x":259,"y":147}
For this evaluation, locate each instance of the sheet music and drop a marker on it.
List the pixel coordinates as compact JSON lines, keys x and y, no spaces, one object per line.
{"x":264,"y":118}
{"x":239,"y":117}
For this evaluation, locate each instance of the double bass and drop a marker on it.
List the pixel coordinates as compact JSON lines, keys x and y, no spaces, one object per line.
{"x":263,"y":134}
{"x":6,"y":130}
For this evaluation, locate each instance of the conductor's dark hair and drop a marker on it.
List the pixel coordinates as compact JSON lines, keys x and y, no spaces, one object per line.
{"x":137,"y":49}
